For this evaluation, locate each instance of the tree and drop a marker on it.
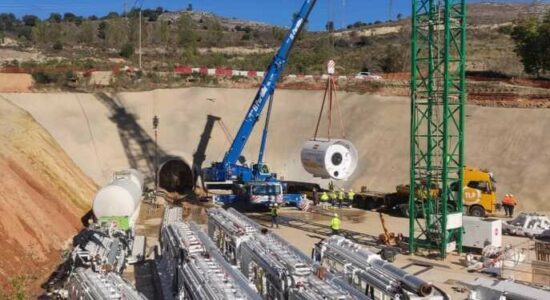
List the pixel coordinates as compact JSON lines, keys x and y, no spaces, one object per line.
{"x":116,"y":33}
{"x":92,"y":18}
{"x":164,"y":33}
{"x":278,"y":33}
{"x":363,"y":41}
{"x":186,"y":34}
{"x":24,"y":32}
{"x":358,"y":24}
{"x":69,"y":17}
{"x":392,"y":60}
{"x":134,"y":13}
{"x":86,"y":32}
{"x":111,"y":15}
{"x":214,"y":34}
{"x":7,"y":22}
{"x":101,"y":29}
{"x":532,"y":41}
{"x":55,"y":17}
{"x":189,"y":7}
{"x":330,"y":26}
{"x":30,"y":20}
{"x":40,"y":32}
{"x":78,"y":20}
{"x":399,"y":16}
{"x":127,"y":50}
{"x":58,"y":46}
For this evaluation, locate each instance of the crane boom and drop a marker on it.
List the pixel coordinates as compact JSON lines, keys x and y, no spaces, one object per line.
{"x":228,"y":169}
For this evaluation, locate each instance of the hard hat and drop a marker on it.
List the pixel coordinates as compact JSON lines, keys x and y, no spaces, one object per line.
{"x":507,"y":195}
{"x":336,"y":215}
{"x":511,"y":195}
{"x":351,"y":190}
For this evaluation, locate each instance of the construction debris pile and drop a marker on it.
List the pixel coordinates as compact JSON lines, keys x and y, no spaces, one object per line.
{"x":492,"y":259}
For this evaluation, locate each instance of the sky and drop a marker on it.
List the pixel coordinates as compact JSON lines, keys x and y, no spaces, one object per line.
{"x":278,"y":12}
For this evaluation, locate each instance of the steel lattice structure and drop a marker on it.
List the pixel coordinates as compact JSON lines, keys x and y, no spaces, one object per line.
{"x":438,"y":44}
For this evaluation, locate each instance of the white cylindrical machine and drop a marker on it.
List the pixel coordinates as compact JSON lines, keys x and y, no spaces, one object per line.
{"x":121,"y":197}
{"x":334,"y":158}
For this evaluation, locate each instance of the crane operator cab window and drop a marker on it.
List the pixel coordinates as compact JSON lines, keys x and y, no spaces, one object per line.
{"x":263,"y":169}
{"x":483,"y":186}
{"x":266,"y":189}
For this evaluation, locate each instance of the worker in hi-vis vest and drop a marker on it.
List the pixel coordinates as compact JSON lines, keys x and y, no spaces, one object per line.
{"x":341,"y":196}
{"x":274,"y":215}
{"x":335,"y":224}
{"x":509,"y":202}
{"x":324,"y":197}
{"x":333,"y":197}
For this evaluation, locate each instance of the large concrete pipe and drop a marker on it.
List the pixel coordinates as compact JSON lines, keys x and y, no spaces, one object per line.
{"x":121,"y":197}
{"x":329,"y":158}
{"x":176,"y":175}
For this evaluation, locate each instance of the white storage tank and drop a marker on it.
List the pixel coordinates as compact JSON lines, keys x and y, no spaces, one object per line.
{"x":121,"y":197}
{"x":329,"y":158}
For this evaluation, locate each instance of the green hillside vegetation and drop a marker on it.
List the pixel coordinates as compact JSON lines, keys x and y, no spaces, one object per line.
{"x":203,"y":39}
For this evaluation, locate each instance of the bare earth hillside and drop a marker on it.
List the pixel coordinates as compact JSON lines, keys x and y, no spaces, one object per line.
{"x":43,"y":195}
{"x":511,"y":142}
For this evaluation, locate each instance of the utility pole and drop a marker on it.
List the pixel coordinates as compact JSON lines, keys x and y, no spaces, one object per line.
{"x":140,"y":38}
{"x":155,"y":128}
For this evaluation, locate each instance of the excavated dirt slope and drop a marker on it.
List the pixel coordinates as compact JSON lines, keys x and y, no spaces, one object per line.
{"x":513,"y":143}
{"x":43,"y":195}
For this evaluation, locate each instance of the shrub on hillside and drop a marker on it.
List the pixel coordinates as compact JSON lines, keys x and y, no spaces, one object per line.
{"x":57,"y":46}
{"x":41,"y":77}
{"x":127,"y":50}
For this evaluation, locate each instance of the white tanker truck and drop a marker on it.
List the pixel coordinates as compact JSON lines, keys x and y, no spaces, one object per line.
{"x":118,"y":202}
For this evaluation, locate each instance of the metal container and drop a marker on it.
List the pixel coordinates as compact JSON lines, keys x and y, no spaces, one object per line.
{"x":121,"y":196}
{"x":480,"y":232}
{"x":329,"y":158}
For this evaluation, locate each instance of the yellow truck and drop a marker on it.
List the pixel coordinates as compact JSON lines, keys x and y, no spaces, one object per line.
{"x":479,"y":188}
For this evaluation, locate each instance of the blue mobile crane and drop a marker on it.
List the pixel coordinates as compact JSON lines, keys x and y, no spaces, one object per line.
{"x":257,"y":177}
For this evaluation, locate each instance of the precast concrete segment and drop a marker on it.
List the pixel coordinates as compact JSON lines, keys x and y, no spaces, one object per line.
{"x":329,"y":158}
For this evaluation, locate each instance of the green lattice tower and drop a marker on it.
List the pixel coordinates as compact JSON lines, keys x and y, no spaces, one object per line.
{"x":437,"y":122}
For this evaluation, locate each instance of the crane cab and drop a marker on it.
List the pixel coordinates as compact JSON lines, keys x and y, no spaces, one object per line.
{"x":264,"y":192}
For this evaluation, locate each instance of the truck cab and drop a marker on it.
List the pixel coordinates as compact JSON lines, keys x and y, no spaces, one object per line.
{"x":479,"y":187}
